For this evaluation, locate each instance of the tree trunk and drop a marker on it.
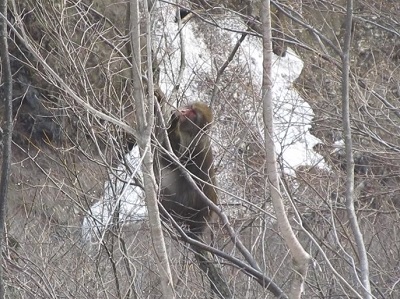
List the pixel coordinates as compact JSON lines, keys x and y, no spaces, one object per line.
{"x":362,"y":252}
{"x":7,"y":132}
{"x":145,"y":123}
{"x":299,"y":255}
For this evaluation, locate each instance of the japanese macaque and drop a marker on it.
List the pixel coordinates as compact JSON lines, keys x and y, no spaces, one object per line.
{"x":188,"y":136}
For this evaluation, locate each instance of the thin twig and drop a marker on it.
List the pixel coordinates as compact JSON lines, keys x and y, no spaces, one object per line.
{"x":224,"y":66}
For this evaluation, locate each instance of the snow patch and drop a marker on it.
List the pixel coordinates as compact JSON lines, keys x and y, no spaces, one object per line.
{"x":122,"y":200}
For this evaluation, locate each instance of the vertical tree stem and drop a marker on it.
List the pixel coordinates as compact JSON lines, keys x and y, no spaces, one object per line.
{"x":7,"y":131}
{"x":362,"y":253}
{"x":145,"y":124}
{"x":299,"y":256}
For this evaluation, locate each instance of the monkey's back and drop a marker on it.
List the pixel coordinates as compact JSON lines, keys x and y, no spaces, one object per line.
{"x":181,"y":199}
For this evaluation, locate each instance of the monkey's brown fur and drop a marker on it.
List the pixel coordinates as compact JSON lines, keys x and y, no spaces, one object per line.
{"x":187,"y":133}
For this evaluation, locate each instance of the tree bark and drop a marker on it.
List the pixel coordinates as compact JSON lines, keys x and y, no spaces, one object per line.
{"x":7,"y":131}
{"x":145,"y":124}
{"x":299,"y":255}
{"x":362,"y":252}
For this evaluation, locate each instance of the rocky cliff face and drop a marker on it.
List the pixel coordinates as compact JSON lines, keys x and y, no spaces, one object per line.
{"x":52,"y":137}
{"x":375,"y":92}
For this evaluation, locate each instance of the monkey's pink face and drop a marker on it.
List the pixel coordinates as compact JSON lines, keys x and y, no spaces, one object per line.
{"x":187,"y":113}
{"x":188,"y":120}
{"x":193,"y":118}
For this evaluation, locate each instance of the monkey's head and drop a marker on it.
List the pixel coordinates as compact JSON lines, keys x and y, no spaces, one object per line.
{"x":189,"y":122}
{"x":193,"y":118}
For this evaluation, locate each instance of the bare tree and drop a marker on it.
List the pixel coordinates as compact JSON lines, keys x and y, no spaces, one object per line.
{"x":6,"y":133}
{"x":349,"y":195}
{"x":300,"y":257}
{"x":145,"y":126}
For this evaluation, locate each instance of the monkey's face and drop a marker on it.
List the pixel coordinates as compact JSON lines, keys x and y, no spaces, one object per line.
{"x":185,"y":122}
{"x":193,"y":118}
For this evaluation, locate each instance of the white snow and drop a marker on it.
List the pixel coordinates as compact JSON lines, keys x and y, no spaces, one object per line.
{"x":122,"y":200}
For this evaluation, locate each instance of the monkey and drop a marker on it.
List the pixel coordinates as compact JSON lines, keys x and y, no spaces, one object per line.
{"x":188,"y":136}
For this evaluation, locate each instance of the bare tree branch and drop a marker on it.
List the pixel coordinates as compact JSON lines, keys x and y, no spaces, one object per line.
{"x":300,"y":257}
{"x":6,"y":79}
{"x":362,"y":253}
{"x":145,"y":121}
{"x":221,"y":70}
